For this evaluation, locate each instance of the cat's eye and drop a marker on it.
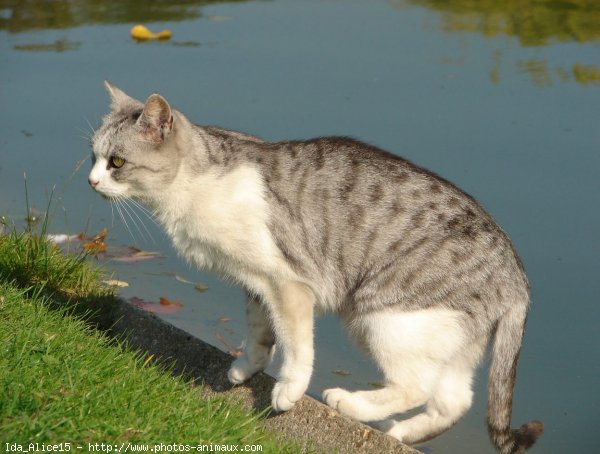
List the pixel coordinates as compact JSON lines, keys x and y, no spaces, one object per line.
{"x":117,"y":162}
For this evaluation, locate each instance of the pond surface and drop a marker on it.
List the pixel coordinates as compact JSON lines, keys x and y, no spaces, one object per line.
{"x":501,"y":98}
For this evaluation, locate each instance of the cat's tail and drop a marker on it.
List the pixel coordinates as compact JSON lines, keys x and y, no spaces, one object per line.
{"x":501,"y":383}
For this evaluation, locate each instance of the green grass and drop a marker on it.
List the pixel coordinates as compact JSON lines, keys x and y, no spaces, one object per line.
{"x":63,"y":381}
{"x":29,"y":261}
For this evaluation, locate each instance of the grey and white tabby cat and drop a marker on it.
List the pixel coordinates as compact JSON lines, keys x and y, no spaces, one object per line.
{"x":419,"y":273}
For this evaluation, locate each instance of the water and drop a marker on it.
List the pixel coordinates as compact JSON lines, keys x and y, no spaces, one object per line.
{"x":500,"y":98}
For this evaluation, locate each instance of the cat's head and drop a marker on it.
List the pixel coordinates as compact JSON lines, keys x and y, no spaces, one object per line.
{"x":134,"y":151}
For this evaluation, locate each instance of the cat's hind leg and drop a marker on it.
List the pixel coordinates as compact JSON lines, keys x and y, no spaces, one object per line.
{"x":411,"y":349}
{"x":451,"y":398}
{"x":260,"y":343}
{"x":374,"y":405}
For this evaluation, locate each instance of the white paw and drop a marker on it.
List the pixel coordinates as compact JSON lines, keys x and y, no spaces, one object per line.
{"x":240,"y":371}
{"x":334,"y":396}
{"x":345,"y":402}
{"x":286,"y":394}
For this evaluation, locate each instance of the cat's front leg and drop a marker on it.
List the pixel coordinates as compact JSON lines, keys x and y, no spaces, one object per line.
{"x":291,"y":310}
{"x":260,"y":343}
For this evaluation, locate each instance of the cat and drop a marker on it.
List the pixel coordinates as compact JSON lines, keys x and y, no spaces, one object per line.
{"x":421,"y":276}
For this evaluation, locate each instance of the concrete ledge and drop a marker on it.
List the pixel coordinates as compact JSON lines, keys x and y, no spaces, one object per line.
{"x":310,"y":423}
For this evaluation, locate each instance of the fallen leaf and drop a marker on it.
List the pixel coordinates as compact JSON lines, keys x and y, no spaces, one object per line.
{"x":168,"y":307}
{"x":201,"y":287}
{"x":136,"y":255}
{"x":341,"y":372}
{"x":115,"y":283}
{"x":183,"y":280}
{"x":96,"y":244}
{"x":60,"y":238}
{"x":232,"y":351}
{"x":197,"y":285}
{"x":166,"y":302}
{"x":148,"y":359}
{"x":141,"y":33}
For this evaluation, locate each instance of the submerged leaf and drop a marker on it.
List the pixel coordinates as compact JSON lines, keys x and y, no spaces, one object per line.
{"x":232,"y":351}
{"x":166,"y":302}
{"x":341,"y":372}
{"x":197,"y":285}
{"x":136,"y":255}
{"x":165,"y":306}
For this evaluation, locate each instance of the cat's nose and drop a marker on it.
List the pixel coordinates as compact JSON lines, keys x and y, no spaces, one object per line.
{"x":93,"y":183}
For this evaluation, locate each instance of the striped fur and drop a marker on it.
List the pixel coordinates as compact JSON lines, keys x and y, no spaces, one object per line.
{"x":418,"y":271}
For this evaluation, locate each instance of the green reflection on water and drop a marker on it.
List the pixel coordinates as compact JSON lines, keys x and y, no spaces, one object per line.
{"x":533,"y":22}
{"x":24,"y":15}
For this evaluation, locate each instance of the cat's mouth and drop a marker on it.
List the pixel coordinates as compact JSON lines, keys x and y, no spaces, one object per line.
{"x":108,"y":194}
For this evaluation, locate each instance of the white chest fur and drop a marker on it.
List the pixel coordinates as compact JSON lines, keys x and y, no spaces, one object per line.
{"x":220,"y":222}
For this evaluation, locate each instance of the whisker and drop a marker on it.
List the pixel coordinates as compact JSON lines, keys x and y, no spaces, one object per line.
{"x":145,"y":211}
{"x":90,"y":125}
{"x":127,"y":212}
{"x":112,"y":212}
{"x":131,"y":208}
{"x":118,"y":205}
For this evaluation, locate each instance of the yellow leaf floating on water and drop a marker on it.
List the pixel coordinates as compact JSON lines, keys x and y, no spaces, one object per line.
{"x":142,"y":33}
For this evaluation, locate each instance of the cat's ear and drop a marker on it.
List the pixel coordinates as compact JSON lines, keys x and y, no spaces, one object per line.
{"x":118,"y":97}
{"x":157,"y":118}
